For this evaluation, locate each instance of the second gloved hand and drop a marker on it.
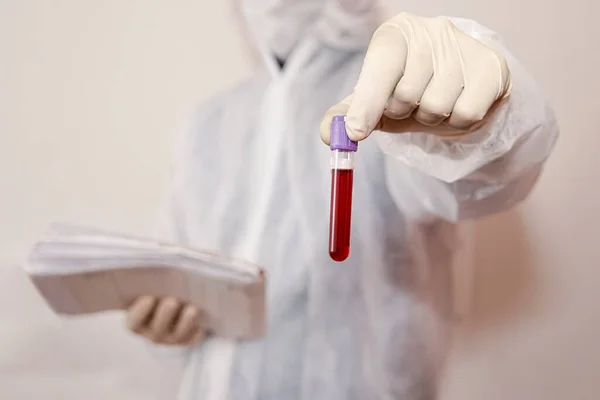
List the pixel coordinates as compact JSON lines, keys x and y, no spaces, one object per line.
{"x":165,"y":321}
{"x":422,"y":71}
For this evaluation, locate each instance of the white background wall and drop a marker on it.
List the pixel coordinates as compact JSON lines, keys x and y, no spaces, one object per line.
{"x":91,"y":95}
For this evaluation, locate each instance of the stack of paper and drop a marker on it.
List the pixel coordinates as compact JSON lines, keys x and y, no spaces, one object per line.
{"x":83,"y":271}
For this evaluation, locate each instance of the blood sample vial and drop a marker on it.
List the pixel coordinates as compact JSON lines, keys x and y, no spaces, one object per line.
{"x":342,"y":176}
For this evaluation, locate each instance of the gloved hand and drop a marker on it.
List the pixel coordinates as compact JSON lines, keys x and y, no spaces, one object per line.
{"x":166,"y":321}
{"x":422,"y":71}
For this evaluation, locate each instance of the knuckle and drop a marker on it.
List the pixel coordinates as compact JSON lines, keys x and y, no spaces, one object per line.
{"x":398,"y":109}
{"x":388,"y":32}
{"x":130,"y":321}
{"x":170,"y":303}
{"x":171,"y":340}
{"x":132,"y":324}
{"x":135,"y":329}
{"x":468,"y":113}
{"x":380,"y":31}
{"x":450,"y":79}
{"x":407,"y":92}
{"x":139,"y":303}
{"x":429,"y":119}
{"x":156,"y":338}
{"x":197,"y":338}
{"x":384,"y":37}
{"x":421,"y":58}
{"x":434,"y":105}
{"x":191,"y":311}
{"x":144,"y":301}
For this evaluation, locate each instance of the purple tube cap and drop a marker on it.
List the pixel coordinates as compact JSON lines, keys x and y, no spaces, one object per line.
{"x":339,"y":138}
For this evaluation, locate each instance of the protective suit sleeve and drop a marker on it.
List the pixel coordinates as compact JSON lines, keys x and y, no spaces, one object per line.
{"x":485,"y":171}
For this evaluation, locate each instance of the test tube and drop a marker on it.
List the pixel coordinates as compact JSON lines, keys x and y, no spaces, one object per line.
{"x":342,"y":176}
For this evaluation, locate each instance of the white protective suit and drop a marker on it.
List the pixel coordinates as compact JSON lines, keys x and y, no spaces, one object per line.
{"x":252,"y":180}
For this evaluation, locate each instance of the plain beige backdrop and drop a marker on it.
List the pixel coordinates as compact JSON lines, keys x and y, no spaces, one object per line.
{"x":91,"y":96}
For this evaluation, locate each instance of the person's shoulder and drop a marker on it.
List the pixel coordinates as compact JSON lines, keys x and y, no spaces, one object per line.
{"x":209,"y":111}
{"x":201,"y":127}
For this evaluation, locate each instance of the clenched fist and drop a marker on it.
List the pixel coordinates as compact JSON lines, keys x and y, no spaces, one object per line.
{"x":422,"y":71}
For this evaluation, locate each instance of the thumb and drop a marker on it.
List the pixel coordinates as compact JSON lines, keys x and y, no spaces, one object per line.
{"x":339,"y":109}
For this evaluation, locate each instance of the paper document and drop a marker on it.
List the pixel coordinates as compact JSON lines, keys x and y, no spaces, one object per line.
{"x":84,"y":271}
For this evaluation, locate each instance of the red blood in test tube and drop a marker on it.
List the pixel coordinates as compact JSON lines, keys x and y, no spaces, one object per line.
{"x":340,"y":216}
{"x":342,"y":175}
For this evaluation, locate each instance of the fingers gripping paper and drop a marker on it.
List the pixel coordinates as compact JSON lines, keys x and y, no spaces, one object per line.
{"x":84,"y":271}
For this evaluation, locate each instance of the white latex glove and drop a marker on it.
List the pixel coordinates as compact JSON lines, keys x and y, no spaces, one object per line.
{"x":422,"y":71}
{"x":165,"y":321}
